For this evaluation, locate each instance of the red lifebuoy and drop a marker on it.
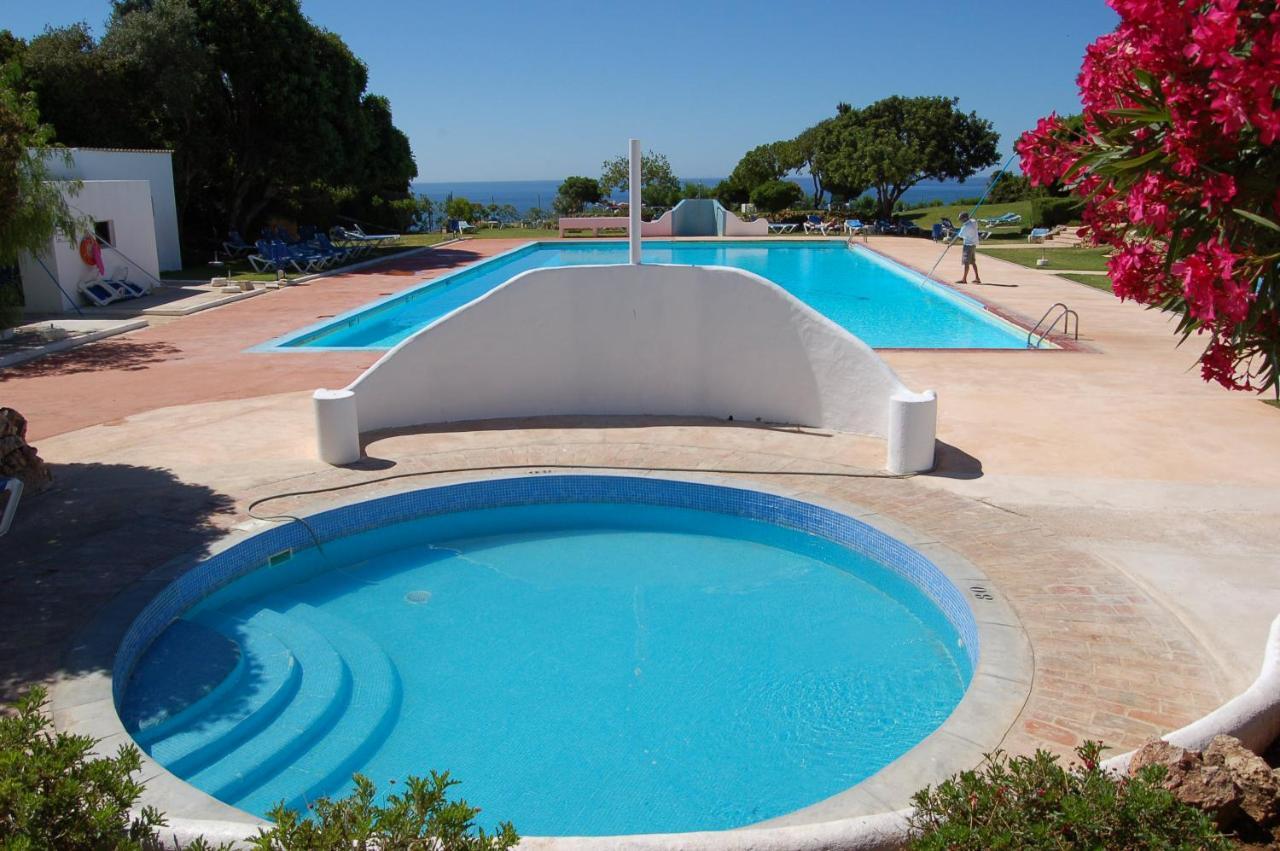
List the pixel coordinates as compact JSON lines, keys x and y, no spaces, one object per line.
{"x":87,"y":245}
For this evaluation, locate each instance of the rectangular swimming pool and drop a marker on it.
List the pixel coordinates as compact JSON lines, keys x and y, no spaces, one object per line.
{"x":884,"y":304}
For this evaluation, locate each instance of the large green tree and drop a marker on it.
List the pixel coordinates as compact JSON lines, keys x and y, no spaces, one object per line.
{"x":574,"y":194}
{"x":762,"y":164}
{"x":659,"y":184}
{"x":802,"y":153}
{"x":893,"y":144}
{"x":267,"y":114}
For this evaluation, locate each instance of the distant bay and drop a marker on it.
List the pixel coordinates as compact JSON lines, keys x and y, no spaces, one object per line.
{"x":524,"y":195}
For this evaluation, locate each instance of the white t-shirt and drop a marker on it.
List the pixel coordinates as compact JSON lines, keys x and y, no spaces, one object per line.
{"x":969,"y":232}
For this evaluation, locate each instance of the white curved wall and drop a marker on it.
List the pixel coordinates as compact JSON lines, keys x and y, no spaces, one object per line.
{"x":641,"y":340}
{"x":734,"y":226}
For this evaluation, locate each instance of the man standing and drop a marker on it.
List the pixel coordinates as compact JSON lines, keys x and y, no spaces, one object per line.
{"x":969,"y":250}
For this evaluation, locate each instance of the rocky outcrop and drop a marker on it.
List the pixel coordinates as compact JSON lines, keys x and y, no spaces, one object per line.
{"x":1235,"y":786}
{"x":18,"y":459}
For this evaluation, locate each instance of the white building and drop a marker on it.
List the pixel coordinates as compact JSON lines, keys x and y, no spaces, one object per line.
{"x":128,"y":195}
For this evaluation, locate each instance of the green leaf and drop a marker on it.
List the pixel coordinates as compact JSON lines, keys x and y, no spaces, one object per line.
{"x":1154,"y":116}
{"x":1256,"y":219}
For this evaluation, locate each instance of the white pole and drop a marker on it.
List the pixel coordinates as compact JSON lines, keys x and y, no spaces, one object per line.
{"x":633,"y":200}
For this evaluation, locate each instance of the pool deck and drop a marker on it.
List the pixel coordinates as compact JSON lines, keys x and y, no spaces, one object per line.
{"x":1126,"y":510}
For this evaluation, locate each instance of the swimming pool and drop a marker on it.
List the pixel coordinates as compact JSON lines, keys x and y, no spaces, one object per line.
{"x":881,"y":302}
{"x":590,"y":654}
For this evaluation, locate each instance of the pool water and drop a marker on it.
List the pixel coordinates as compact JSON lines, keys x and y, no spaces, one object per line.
{"x":884,"y":304}
{"x":583,"y":668}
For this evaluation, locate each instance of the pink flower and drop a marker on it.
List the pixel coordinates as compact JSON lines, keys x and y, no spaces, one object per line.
{"x":1206,"y":73}
{"x":1217,"y":190}
{"x":1137,"y":272}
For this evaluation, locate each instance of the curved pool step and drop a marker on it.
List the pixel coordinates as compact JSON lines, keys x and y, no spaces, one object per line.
{"x":194,"y":655}
{"x":326,"y":766}
{"x":268,"y":680}
{"x":321,"y":697}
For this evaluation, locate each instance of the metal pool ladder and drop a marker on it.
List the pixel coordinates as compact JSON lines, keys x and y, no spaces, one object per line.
{"x":1059,"y":313}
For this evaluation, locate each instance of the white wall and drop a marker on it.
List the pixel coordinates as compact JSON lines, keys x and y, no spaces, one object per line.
{"x":155,"y":167}
{"x":734,"y":226}
{"x":127,"y":205}
{"x":641,"y":340}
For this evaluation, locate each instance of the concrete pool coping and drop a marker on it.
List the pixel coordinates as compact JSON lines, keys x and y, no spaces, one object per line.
{"x":998,"y":690}
{"x":293,"y":342}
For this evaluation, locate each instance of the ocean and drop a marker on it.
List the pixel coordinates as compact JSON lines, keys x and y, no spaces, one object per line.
{"x":524,"y":195}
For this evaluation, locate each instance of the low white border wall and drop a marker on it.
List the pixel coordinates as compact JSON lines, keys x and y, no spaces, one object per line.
{"x":634,"y":340}
{"x":734,"y":226}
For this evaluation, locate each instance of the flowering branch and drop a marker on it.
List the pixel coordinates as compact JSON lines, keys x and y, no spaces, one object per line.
{"x":1179,"y":169}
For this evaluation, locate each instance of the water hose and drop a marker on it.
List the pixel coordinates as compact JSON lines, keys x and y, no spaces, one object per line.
{"x":275,"y":518}
{"x":974,"y":211}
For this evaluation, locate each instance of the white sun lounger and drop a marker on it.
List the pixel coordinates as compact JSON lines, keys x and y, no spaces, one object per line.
{"x":11,"y":490}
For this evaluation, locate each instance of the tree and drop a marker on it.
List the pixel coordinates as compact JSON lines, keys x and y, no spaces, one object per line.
{"x":266,"y":113}
{"x":1177,"y":167}
{"x":895,"y":143}
{"x":762,"y":164}
{"x":775,"y":195}
{"x":1012,"y":187}
{"x":697,"y":190}
{"x":460,"y":208}
{"x":656,"y":177}
{"x":32,"y":208}
{"x":802,"y":153}
{"x":574,"y":194}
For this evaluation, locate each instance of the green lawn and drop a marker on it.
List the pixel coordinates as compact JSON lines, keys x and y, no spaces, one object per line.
{"x":1098,"y":282}
{"x":925,"y":217}
{"x":1077,"y":259}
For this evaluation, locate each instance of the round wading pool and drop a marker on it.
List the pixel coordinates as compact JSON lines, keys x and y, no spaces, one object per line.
{"x":589,"y":654}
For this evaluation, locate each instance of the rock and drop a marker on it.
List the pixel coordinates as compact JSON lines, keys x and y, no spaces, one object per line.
{"x":1205,"y":787}
{"x":17,"y":458}
{"x":1253,"y":778}
{"x":1159,"y":752}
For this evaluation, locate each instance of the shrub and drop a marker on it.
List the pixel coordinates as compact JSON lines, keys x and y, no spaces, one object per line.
{"x":774,"y":195}
{"x":420,"y":817}
{"x":54,"y":795}
{"x":1035,"y":803}
{"x":1012,"y":187}
{"x":460,"y":208}
{"x":1050,"y":212}
{"x":1177,"y":158}
{"x":865,"y":208}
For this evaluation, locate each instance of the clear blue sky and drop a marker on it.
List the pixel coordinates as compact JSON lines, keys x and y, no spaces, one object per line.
{"x":508,"y":90}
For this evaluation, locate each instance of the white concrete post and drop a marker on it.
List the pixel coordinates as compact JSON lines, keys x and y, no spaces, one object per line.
{"x":633,"y":202}
{"x":337,"y":427}
{"x":913,"y":425}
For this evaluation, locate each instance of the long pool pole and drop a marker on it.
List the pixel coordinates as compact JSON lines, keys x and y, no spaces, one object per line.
{"x":633,"y":201}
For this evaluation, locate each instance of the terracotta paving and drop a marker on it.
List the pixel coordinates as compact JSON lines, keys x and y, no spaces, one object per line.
{"x":202,"y":357}
{"x":1048,"y":459}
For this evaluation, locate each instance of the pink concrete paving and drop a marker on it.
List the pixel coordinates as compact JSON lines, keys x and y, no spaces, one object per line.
{"x":1125,"y":509}
{"x":202,"y":357}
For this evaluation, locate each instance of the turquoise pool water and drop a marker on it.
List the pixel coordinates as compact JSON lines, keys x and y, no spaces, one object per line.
{"x":583,"y":667}
{"x":884,"y":304}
